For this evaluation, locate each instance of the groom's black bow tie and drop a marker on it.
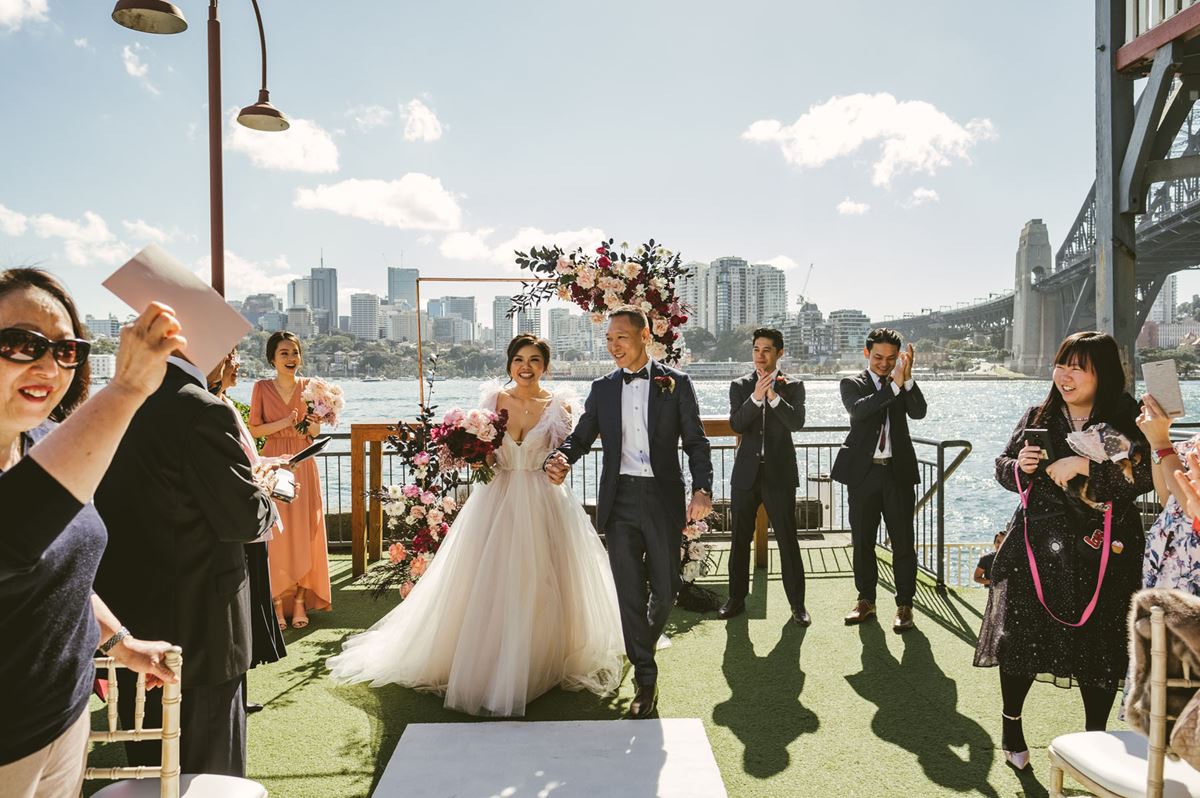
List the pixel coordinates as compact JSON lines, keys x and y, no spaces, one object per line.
{"x":630,"y":376}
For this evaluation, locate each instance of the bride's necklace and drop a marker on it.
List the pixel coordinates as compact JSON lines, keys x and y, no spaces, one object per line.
{"x":525,"y":404}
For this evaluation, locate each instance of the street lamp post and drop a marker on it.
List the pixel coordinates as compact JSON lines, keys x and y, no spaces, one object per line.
{"x":159,"y":16}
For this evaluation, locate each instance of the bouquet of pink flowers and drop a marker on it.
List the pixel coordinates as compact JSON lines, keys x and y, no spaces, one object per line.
{"x":467,"y":438}
{"x":422,"y":518}
{"x":324,"y":399}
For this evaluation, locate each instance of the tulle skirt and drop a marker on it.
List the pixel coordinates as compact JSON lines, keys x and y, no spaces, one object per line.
{"x":520,"y":598}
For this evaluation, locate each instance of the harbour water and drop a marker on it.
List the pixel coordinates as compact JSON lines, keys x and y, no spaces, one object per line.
{"x":981,"y":412}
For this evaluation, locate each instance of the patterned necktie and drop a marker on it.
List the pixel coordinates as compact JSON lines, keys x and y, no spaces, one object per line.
{"x":630,"y":376}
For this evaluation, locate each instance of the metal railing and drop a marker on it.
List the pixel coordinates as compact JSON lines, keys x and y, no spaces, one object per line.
{"x":821,"y":510}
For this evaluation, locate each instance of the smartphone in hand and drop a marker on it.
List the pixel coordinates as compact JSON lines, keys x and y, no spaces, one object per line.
{"x":1041,"y":439}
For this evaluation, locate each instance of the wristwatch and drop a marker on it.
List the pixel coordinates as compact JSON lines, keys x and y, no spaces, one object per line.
{"x":111,"y":643}
{"x":707,"y":493}
{"x":1157,"y":455}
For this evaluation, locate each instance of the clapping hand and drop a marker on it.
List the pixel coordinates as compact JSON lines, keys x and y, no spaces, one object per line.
{"x":763,"y":387}
{"x":899,"y":370}
{"x":910,"y":355}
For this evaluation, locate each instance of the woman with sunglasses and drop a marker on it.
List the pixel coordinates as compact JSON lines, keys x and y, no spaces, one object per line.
{"x":54,"y":449}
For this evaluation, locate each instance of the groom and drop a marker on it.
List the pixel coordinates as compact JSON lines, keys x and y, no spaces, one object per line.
{"x":641,"y":411}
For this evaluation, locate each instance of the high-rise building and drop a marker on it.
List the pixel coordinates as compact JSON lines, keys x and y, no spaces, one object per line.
{"x":299,"y":292}
{"x":452,"y":330}
{"x":502,"y":324}
{"x":364,"y":316}
{"x":461,"y":306}
{"x":1165,"y":305}
{"x":255,"y":305}
{"x":401,"y":325}
{"x":343,"y":324}
{"x":435,"y":308}
{"x":273,"y":321}
{"x":850,"y":328}
{"x":727,"y":304}
{"x":323,"y":295}
{"x":768,"y":296}
{"x":103,"y":328}
{"x":300,"y":321}
{"x":692,"y":290}
{"x":530,"y":321}
{"x":402,"y":286}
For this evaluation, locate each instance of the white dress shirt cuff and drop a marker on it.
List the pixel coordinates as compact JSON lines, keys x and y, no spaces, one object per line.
{"x":896,"y":388}
{"x":775,"y":402}
{"x":909,"y":383}
{"x":756,"y":400}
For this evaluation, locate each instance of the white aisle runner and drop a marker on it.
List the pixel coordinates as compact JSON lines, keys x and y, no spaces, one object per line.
{"x":560,"y":759}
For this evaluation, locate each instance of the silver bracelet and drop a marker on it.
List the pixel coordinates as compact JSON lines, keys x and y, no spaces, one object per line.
{"x":111,"y":643}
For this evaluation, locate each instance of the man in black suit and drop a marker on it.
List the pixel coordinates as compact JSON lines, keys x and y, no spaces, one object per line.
{"x":179,"y":503}
{"x":878,"y":466}
{"x":642,"y":412}
{"x":765,"y":408}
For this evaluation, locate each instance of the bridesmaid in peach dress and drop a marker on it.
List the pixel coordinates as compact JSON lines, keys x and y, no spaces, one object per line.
{"x":299,"y":558}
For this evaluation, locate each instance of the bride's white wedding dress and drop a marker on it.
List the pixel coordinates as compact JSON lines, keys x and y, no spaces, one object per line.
{"x":519,"y":598}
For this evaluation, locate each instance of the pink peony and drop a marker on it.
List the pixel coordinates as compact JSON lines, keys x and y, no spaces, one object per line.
{"x":412,"y":491}
{"x":418,"y":566}
{"x":428,"y":498}
{"x":454,"y":417}
{"x":405,"y":589}
{"x":397,"y":553}
{"x":422,"y":459}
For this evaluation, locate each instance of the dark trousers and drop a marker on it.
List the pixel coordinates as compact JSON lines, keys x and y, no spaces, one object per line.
{"x":780,"y":503}
{"x":880,"y":494}
{"x":212,"y":727}
{"x":643,"y":549}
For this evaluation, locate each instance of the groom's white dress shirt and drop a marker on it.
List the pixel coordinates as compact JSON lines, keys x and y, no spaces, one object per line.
{"x":887,"y":422}
{"x":635,"y":435}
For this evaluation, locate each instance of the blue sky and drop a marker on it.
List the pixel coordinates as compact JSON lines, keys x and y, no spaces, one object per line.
{"x":899,"y":147}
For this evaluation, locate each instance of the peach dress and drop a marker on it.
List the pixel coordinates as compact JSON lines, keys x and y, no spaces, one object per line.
{"x":299,"y":556}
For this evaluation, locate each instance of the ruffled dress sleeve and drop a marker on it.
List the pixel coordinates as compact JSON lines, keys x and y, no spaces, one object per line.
{"x":565,"y":408}
{"x":488,"y":394}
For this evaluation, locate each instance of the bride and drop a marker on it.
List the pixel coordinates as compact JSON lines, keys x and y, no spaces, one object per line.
{"x":520,"y":597}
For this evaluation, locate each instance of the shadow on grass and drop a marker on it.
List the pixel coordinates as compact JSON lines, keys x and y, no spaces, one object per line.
{"x":944,"y":610}
{"x":764,"y":710}
{"x":918,"y":711}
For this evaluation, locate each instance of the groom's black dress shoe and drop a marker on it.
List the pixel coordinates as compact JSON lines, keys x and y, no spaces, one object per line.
{"x":644,"y":702}
{"x":731,"y":609}
{"x":801,"y":617}
{"x":251,"y":707}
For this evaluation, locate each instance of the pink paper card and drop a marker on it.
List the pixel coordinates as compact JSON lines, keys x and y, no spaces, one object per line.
{"x":211,"y":327}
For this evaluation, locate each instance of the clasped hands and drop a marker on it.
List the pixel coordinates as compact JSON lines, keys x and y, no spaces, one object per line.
{"x":557,"y":468}
{"x":902,"y":371}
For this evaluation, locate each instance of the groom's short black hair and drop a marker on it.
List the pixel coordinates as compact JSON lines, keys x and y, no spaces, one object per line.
{"x":883,"y":335}
{"x":636,"y":316}
{"x":771,"y":334}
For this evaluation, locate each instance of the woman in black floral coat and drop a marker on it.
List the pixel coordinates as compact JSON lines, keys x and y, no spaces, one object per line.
{"x":1066,"y":537}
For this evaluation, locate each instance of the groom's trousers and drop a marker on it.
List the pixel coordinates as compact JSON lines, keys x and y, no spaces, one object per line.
{"x":643,"y":549}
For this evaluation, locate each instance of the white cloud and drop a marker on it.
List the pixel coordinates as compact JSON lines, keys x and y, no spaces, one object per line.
{"x":81,"y":43}
{"x":780,"y":262}
{"x":914,"y":136}
{"x":83,"y":243}
{"x":143,"y":231}
{"x":414,"y":202}
{"x":366,"y":117}
{"x":136,"y":68}
{"x":420,"y":122}
{"x":14,"y":13}
{"x":849,"y":207}
{"x":303,"y":147}
{"x":475,"y":247}
{"x":922,"y":195}
{"x":244,"y":276}
{"x":12,"y":223}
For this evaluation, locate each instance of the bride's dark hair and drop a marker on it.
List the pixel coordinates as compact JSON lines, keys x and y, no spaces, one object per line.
{"x":520,"y":342}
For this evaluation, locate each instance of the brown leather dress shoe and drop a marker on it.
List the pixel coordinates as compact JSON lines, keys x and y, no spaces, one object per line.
{"x":904,"y":619}
{"x":731,"y":609}
{"x":644,"y":702}
{"x":862,"y":611}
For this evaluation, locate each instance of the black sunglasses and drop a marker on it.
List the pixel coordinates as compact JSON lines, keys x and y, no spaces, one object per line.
{"x":26,"y":346}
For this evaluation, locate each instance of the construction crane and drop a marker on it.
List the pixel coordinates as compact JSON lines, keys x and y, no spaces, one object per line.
{"x":804,"y":288}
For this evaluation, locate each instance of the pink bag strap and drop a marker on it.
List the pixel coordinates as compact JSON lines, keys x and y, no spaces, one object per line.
{"x":1037,"y":582}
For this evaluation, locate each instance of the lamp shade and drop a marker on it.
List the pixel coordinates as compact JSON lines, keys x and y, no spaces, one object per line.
{"x":263,"y":116}
{"x":149,"y":16}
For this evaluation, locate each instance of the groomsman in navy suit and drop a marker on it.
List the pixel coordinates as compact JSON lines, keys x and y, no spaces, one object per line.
{"x":642,"y":412}
{"x":765,"y":408}
{"x":878,"y":466}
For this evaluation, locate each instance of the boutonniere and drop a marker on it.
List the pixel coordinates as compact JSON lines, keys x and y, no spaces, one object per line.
{"x":665,"y":383}
{"x":780,"y":380}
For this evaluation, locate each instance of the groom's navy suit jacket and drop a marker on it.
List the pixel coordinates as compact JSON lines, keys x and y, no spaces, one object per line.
{"x":672,"y":417}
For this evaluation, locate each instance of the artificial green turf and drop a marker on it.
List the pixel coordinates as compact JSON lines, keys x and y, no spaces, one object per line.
{"x":826,"y":711}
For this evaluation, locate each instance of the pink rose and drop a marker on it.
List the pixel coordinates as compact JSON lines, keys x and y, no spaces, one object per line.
{"x":422,"y":459}
{"x":397,"y":553}
{"x":448,"y":504}
{"x":418,"y":567}
{"x":435,"y":517}
{"x":585,"y":277}
{"x":417,"y":511}
{"x":454,"y":417}
{"x":428,"y":498}
{"x":412,"y":491}
{"x":564,"y":265}
{"x":405,"y":589}
{"x":661,"y":326}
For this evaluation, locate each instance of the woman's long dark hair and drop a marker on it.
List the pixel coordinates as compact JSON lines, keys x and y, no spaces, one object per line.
{"x":17,"y":279}
{"x":1112,"y":404}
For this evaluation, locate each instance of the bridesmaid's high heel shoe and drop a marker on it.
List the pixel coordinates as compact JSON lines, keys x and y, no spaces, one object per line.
{"x":1016,"y":752}
{"x":299,"y":616}
{"x":279,"y":614}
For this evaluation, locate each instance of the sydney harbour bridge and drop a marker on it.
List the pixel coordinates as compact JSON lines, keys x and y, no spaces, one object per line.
{"x":1138,"y":224}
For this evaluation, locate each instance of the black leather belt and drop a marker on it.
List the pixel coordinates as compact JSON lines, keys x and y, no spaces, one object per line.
{"x":881,"y":461}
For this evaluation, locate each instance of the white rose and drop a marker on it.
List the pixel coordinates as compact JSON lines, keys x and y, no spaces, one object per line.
{"x":656,"y":350}
{"x":661,"y":326}
{"x":586,"y":277}
{"x":691,"y":570}
{"x":646,"y":306}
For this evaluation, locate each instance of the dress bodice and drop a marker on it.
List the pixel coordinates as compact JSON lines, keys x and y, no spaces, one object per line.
{"x":527,"y":455}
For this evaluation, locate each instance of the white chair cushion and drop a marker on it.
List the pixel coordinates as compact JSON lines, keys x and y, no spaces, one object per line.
{"x":203,"y":785}
{"x":1117,"y":762}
